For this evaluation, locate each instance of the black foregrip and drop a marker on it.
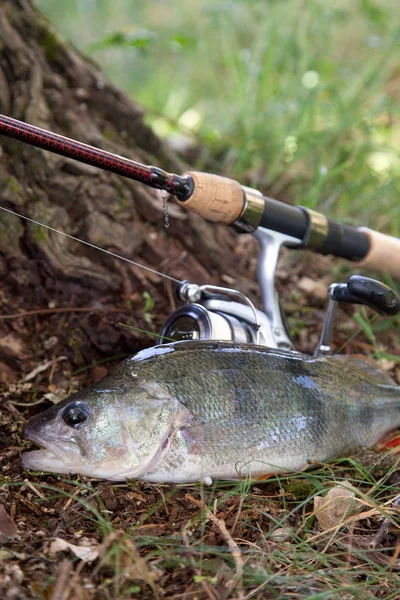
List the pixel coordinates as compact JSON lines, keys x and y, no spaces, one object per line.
{"x":341,"y":240}
{"x":284,"y":218}
{"x":345,"y":241}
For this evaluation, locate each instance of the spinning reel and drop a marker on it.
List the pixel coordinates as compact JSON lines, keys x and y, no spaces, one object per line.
{"x":214,"y":313}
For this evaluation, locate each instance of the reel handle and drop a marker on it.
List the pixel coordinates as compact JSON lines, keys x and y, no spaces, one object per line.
{"x":367,"y":291}
{"x":357,"y":290}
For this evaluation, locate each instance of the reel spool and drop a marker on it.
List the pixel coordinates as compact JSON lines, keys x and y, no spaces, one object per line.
{"x":195,"y":322}
{"x":210,"y":314}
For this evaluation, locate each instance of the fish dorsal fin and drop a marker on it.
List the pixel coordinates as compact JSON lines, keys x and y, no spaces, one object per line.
{"x":369,"y":366}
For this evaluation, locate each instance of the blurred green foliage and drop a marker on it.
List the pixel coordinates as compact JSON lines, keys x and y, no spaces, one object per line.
{"x":296,"y":97}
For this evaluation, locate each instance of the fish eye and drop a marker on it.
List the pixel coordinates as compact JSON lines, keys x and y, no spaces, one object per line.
{"x":75,"y":414}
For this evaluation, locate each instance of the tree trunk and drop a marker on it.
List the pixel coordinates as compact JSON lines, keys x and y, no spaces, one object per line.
{"x":46,"y":82}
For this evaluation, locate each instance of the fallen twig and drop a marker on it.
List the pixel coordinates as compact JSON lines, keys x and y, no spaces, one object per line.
{"x":30,"y":505}
{"x":393,"y":560}
{"x":232,"y":545}
{"x":62,"y":586}
{"x":42,"y":367}
{"x":384,"y":527}
{"x":30,"y":485}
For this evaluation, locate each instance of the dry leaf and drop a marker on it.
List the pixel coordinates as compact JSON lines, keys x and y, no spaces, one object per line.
{"x":153,"y":529}
{"x":99,"y":372}
{"x":56,"y":397}
{"x":8,"y":530}
{"x":6,"y":374}
{"x":313,"y":287}
{"x":281,"y":534}
{"x":85,"y":553}
{"x":12,"y":345}
{"x":339,"y":503}
{"x":387,"y":365}
{"x":363,"y":542}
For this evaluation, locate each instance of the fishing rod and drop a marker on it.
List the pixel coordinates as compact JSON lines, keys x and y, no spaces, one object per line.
{"x":224,"y":200}
{"x":213,"y":312}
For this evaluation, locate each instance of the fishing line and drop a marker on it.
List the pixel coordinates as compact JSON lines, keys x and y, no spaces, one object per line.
{"x":128,"y":260}
{"x":136,"y":264}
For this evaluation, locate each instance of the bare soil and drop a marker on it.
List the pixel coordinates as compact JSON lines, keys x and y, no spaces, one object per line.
{"x":157,"y":540}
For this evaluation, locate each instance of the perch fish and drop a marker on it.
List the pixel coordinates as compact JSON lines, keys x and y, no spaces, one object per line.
{"x":196,"y":410}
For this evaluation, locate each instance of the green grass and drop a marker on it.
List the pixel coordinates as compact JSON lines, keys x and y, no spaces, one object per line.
{"x":299,"y":98}
{"x":309,"y":563}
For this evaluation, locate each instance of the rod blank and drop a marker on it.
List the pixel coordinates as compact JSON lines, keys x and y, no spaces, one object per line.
{"x":179,"y":186}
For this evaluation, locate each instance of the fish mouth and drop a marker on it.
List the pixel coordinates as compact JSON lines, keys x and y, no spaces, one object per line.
{"x":52,"y":455}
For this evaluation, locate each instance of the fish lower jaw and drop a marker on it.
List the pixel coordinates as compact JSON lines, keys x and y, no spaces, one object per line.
{"x":46,"y":460}
{"x":49,"y":462}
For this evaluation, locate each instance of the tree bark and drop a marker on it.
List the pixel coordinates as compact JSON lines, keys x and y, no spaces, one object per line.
{"x":46,"y":82}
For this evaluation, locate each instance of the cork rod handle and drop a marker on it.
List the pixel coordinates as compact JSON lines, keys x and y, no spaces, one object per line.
{"x":215,"y":198}
{"x":384,"y":253}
